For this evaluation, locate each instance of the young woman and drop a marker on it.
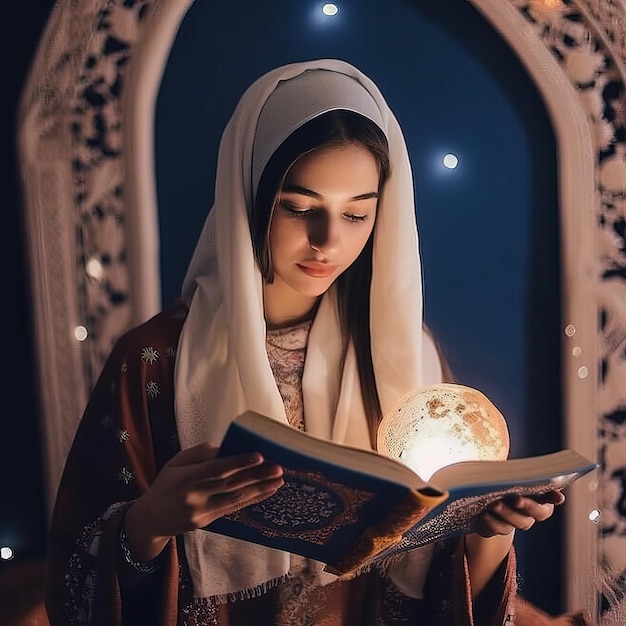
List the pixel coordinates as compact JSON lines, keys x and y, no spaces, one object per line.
{"x":303,"y":301}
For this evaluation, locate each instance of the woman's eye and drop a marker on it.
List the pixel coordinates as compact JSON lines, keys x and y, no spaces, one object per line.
{"x":351,"y":217}
{"x":295,"y":211}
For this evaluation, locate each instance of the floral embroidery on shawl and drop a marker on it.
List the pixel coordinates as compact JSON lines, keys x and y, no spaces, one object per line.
{"x":286,"y":351}
{"x":82,"y":577}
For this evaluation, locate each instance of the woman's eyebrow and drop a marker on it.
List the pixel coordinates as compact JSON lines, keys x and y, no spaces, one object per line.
{"x":313,"y":194}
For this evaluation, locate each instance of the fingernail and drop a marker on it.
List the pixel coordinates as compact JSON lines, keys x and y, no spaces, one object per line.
{"x":255,"y":458}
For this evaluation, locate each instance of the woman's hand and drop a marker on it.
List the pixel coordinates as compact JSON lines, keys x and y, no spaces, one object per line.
{"x":518,"y":512}
{"x":491,"y":534}
{"x":192,"y":490}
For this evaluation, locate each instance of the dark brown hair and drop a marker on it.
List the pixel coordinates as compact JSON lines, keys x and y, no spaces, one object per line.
{"x":332,"y":129}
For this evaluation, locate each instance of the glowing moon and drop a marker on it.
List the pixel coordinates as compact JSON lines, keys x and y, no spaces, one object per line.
{"x":443,"y":424}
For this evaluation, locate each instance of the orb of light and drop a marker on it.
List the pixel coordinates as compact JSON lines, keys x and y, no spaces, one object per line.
{"x":570,"y":330}
{"x":443,"y":424}
{"x":6,"y":553}
{"x":330,"y":9}
{"x":450,"y":161}
{"x":595,"y":515}
{"x":94,"y":269}
{"x":81,"y":333}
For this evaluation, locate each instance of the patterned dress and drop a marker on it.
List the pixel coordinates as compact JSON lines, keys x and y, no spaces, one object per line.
{"x":127,"y":433}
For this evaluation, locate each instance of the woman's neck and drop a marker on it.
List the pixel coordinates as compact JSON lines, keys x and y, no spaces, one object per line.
{"x":284,"y":309}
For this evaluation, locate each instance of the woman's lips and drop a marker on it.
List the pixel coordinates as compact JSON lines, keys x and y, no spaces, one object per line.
{"x":317,"y":270}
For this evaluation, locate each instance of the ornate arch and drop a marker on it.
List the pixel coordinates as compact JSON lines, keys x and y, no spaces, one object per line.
{"x":92,"y":261}
{"x":86,"y":152}
{"x":576,"y":53}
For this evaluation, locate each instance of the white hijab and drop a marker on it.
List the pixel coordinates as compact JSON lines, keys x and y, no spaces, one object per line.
{"x":222,"y":367}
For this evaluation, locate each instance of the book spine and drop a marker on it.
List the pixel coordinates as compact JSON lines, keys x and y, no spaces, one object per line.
{"x":407,"y":512}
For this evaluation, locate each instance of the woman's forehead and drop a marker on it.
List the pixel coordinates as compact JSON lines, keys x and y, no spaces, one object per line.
{"x":351,"y":171}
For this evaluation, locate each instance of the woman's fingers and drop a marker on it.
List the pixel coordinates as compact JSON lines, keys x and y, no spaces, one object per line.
{"x":517,"y":512}
{"x":227,"y":503}
{"x":553,"y":497}
{"x":199,"y":467}
{"x":232,"y":473}
{"x":252,"y":477}
{"x":522,"y":512}
{"x":231,"y":486}
{"x":201,"y":462}
{"x":247,"y":494}
{"x":520,"y":507}
{"x":490,"y":523}
{"x":196,"y":487}
{"x":513,"y":516}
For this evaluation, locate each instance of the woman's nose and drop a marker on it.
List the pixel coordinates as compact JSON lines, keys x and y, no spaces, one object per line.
{"x":324,"y":234}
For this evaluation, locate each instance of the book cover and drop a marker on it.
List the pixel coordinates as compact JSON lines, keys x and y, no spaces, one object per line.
{"x":348,"y":507}
{"x":323,"y":505}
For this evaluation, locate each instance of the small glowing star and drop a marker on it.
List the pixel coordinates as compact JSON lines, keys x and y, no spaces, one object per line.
{"x":451,"y":161}
{"x":6,"y":553}
{"x":81,"y":333}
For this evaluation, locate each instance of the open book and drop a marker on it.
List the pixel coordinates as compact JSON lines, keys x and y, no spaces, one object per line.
{"x":348,"y":507}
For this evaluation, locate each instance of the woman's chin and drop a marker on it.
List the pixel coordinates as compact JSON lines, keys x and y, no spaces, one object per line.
{"x":314,"y":290}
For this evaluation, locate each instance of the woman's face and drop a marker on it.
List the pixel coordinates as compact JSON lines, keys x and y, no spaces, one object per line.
{"x":323,"y":218}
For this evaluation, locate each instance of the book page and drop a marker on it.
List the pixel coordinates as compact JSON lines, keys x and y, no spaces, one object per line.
{"x":513,"y":471}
